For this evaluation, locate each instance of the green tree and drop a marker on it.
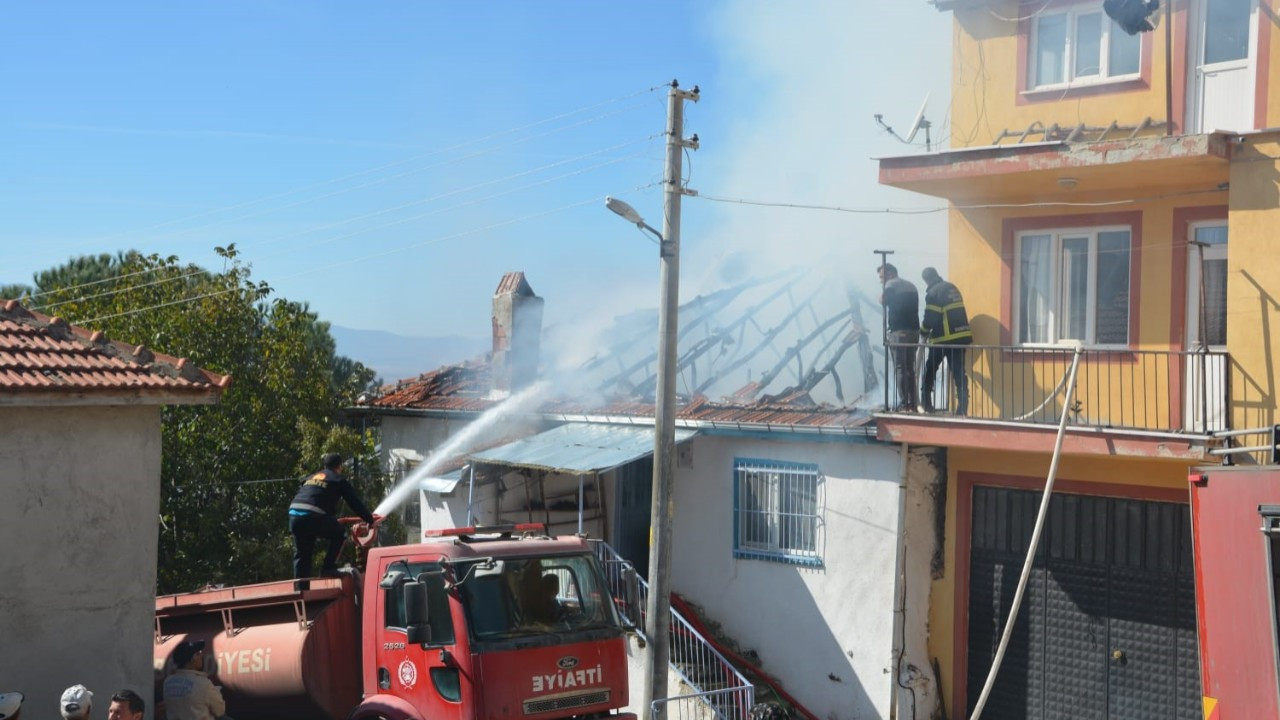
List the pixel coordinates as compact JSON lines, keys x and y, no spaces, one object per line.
{"x":228,"y":470}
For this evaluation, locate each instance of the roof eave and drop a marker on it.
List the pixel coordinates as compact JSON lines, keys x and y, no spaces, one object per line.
{"x":79,"y":398}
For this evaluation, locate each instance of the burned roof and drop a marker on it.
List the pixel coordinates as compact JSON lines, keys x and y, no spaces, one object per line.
{"x":785,"y":350}
{"x":44,"y":359}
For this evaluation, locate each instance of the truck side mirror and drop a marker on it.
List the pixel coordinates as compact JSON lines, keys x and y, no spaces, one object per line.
{"x":631,"y":595}
{"x":415,"y":613}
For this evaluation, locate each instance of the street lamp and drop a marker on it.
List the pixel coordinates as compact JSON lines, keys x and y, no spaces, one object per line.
{"x":628,"y":213}
{"x":658,"y":605}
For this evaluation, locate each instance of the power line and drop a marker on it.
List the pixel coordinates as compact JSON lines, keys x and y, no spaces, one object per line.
{"x":377,"y":213}
{"x":984,"y":206}
{"x":387,"y":166}
{"x":389,"y":178}
{"x":531,"y":216}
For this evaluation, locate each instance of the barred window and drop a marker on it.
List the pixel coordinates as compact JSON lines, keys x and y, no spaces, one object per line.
{"x":777,"y":507}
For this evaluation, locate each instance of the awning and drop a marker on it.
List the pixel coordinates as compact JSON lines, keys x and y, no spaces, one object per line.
{"x":443,"y":483}
{"x":577,"y":448}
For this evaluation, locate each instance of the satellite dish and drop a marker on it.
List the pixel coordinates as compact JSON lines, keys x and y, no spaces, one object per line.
{"x":919,"y":122}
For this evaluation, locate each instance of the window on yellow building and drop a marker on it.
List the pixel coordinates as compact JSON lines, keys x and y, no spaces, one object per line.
{"x":1080,"y":45}
{"x":1073,"y":285}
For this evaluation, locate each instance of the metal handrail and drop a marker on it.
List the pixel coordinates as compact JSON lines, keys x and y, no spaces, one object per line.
{"x":1120,"y":387}
{"x":694,"y":706}
{"x":693,"y":658}
{"x":1272,"y":448}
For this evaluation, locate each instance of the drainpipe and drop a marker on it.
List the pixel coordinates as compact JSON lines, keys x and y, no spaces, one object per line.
{"x":900,"y":590}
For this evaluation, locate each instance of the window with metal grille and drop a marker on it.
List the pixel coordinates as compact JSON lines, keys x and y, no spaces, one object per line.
{"x":777,"y":508}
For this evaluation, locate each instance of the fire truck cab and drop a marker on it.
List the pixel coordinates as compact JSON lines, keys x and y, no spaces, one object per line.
{"x":477,"y":624}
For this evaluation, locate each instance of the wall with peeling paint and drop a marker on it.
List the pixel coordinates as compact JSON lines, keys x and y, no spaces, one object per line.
{"x":78,"y":566}
{"x":824,"y":632}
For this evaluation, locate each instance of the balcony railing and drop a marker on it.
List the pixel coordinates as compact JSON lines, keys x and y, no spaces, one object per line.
{"x":1161,"y":391}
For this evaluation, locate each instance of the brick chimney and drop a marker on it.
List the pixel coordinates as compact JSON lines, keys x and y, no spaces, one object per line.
{"x":517,"y":333}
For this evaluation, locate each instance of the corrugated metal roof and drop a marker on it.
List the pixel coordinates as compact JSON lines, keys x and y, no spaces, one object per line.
{"x":442,"y":482}
{"x":577,"y":448}
{"x":42,"y":354}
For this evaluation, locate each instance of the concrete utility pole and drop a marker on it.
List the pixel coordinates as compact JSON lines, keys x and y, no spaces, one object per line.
{"x":658,"y":607}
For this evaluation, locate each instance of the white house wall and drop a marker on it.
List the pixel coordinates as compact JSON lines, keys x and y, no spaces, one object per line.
{"x":825,"y":632}
{"x":78,"y":570}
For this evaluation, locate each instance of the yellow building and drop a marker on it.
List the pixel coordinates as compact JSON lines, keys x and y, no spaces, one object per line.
{"x":1096,"y":180}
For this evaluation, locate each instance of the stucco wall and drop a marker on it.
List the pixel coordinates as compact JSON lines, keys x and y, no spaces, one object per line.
{"x":985,"y":93}
{"x":1253,"y":288}
{"x":78,"y":570}
{"x":824,"y":632}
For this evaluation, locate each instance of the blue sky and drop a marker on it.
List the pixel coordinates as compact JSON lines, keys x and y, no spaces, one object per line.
{"x":388,"y":161}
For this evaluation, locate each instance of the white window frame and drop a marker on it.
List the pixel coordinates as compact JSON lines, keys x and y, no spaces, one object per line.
{"x":1091,"y":291}
{"x":777,"y":548}
{"x":1068,"y":56}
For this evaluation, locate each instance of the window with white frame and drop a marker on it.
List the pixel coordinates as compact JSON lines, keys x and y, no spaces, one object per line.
{"x":777,"y":511}
{"x":1080,"y":45}
{"x":1073,"y":285}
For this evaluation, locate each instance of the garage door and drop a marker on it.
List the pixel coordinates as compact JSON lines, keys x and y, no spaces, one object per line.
{"x":1108,"y":623}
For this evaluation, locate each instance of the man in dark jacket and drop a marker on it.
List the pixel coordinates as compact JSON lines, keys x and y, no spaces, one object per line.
{"x":312,"y":515}
{"x":901,"y":303}
{"x":946,"y":326}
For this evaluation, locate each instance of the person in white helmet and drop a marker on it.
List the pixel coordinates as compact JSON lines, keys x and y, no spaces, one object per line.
{"x":10,"y":706}
{"x":76,"y":703}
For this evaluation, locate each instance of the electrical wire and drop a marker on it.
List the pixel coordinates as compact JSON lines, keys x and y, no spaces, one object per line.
{"x":379,"y":181}
{"x":387,"y":166}
{"x":357,"y":218}
{"x":371,"y":256}
{"x":1036,"y":13}
{"x":984,"y":206}
{"x":369,"y":171}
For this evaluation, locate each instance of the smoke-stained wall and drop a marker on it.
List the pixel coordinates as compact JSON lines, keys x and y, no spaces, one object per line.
{"x":78,"y":570}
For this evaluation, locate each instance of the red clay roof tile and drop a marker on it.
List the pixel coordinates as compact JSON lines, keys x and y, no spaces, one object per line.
{"x":43,"y":354}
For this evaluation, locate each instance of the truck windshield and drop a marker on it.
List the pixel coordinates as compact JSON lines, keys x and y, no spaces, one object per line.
{"x":525,"y":597}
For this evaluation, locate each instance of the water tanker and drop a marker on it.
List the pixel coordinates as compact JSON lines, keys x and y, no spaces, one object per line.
{"x":479,"y":624}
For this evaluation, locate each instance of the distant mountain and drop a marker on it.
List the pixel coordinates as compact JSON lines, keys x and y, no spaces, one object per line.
{"x":396,"y":357}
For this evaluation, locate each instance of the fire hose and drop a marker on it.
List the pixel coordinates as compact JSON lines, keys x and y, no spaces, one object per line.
{"x":1035,"y":542}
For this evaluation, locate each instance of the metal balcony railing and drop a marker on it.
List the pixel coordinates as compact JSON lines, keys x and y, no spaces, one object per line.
{"x":720,"y":691}
{"x":1160,"y":391}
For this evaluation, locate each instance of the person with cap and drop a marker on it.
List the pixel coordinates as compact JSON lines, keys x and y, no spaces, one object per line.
{"x":10,"y":706}
{"x":188,"y":693}
{"x":946,"y":327}
{"x":76,"y":703}
{"x":126,"y":705}
{"x":312,"y":516}
{"x":901,"y":303}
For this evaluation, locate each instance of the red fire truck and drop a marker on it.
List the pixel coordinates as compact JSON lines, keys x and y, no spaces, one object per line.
{"x":478,"y":624}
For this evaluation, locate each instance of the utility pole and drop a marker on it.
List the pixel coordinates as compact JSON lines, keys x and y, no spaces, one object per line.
{"x":658,"y":606}
{"x":884,"y":260}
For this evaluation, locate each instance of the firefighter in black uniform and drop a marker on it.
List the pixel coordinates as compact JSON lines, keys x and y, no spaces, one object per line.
{"x":312,"y":516}
{"x":946,"y":326}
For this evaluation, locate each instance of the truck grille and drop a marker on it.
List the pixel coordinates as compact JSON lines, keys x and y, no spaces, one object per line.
{"x":567,"y":702}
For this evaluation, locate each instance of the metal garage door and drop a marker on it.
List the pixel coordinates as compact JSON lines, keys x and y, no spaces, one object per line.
{"x":1108,"y":623}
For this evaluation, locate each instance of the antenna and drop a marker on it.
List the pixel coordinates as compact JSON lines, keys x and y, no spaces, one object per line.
{"x":920,"y":123}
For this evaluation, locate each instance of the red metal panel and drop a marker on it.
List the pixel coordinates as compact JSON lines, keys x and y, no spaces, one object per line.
{"x":1233,"y":595}
{"x":514,"y":677}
